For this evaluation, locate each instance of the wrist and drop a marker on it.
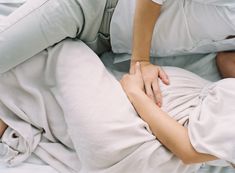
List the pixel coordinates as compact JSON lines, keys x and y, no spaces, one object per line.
{"x":135,"y":59}
{"x":134,"y":94}
{"x":142,"y":62}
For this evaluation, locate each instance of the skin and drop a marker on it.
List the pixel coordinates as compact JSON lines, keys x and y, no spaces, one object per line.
{"x":3,"y":127}
{"x":226,"y":64}
{"x":146,"y":15}
{"x":168,"y":131}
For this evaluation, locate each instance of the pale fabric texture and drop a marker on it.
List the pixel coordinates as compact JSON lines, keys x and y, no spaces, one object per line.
{"x":12,"y":1}
{"x":28,"y":104}
{"x":106,"y":131}
{"x":74,"y":101}
{"x":36,"y":25}
{"x":205,"y":108}
{"x":159,"y":1}
{"x":211,"y":124}
{"x":69,"y":88}
{"x":184,"y":27}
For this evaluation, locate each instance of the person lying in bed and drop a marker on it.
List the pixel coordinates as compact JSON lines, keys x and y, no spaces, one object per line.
{"x":183,"y":27}
{"x":51,"y":105}
{"x":174,"y":27}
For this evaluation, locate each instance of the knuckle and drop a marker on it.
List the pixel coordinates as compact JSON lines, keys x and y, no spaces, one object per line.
{"x":150,"y":95}
{"x":125,"y":76}
{"x":156,"y":90}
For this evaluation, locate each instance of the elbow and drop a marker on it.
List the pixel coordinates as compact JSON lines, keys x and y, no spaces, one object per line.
{"x":190,"y":157}
{"x":193,"y":158}
{"x":187,"y":159}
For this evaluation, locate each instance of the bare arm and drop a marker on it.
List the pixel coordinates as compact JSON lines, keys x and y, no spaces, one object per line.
{"x":146,"y":15}
{"x":171,"y":134}
{"x":3,"y":127}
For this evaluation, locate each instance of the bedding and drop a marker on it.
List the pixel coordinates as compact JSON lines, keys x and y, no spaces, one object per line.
{"x":182,"y":28}
{"x":69,"y":63}
{"x":66,"y":114}
{"x":204,"y":65}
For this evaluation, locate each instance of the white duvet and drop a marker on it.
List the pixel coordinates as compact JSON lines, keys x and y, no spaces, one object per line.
{"x":66,"y":108}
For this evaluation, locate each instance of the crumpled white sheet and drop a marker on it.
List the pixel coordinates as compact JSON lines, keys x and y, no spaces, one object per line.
{"x":12,"y":1}
{"x":28,"y":104}
{"x":68,"y":95}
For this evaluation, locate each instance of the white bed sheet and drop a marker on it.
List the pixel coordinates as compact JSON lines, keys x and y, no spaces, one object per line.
{"x":204,"y":65}
{"x":28,"y":168}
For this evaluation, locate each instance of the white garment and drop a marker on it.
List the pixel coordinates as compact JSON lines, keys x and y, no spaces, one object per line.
{"x":11,"y":1}
{"x":184,"y":26}
{"x":159,"y":1}
{"x":29,"y":106}
{"x":69,"y":93}
{"x":211,"y":124}
{"x":205,"y":108}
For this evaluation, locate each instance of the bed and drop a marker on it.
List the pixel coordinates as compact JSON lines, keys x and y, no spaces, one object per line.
{"x":204,"y":65}
{"x":118,"y":64}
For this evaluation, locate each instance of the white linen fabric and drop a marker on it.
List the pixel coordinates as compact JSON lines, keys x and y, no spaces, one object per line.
{"x":205,"y":108}
{"x":12,"y":1}
{"x":65,"y":100}
{"x":107,"y":133}
{"x":159,"y":1}
{"x":211,"y":124}
{"x":184,"y":27}
{"x":36,"y":25}
{"x":37,"y":124}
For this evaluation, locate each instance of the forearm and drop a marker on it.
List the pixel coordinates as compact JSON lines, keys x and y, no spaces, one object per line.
{"x":168,"y":131}
{"x":3,"y":127}
{"x":146,"y":15}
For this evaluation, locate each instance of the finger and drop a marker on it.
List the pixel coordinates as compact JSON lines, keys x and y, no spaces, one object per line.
{"x":157,"y":92}
{"x":138,"y":69}
{"x":149,"y":91}
{"x":132,"y":69}
{"x":163,"y":76}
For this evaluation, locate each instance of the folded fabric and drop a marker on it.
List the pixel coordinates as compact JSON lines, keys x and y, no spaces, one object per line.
{"x":65,"y":100}
{"x":204,"y":107}
{"x":211,"y":123}
{"x":29,"y":106}
{"x":12,"y":1}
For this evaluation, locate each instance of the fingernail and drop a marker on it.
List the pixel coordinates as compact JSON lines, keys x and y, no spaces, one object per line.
{"x":159,"y":104}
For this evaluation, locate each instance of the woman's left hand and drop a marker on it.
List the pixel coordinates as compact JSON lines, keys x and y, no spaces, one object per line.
{"x":133,"y":82}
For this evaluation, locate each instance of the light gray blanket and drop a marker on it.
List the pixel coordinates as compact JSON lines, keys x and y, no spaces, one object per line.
{"x":28,"y":104}
{"x":64,"y":106}
{"x":36,"y":25}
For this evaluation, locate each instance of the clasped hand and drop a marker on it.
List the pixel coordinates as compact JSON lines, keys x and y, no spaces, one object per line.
{"x":143,"y":77}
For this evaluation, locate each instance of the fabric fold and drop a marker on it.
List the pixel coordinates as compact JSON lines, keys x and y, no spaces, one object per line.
{"x":211,"y":124}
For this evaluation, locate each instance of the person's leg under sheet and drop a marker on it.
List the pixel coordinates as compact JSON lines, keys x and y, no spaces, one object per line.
{"x":107,"y":133}
{"x":37,"y":25}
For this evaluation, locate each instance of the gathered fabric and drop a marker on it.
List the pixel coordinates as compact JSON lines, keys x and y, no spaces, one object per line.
{"x":205,"y":108}
{"x":65,"y":100}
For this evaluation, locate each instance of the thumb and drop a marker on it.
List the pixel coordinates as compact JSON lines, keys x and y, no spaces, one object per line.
{"x":137,"y":69}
